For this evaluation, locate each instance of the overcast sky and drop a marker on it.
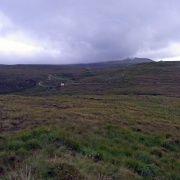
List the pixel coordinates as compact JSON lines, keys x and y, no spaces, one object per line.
{"x":75,"y":31}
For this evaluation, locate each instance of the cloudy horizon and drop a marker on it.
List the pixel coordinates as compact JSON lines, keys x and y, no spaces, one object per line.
{"x":58,"y":32}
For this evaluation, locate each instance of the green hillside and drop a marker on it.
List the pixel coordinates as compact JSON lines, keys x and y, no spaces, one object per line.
{"x":119,"y":122}
{"x":157,"y":78}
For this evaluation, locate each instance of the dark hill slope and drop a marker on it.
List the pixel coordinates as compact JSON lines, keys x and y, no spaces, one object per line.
{"x":125,"y":62}
{"x":162,"y":78}
{"x":151,"y":78}
{"x":15,"y":78}
{"x":155,"y":78}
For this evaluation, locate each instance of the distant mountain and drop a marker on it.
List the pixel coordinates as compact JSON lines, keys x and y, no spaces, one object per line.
{"x":130,"y":61}
{"x":137,"y":60}
{"x":125,"y":62}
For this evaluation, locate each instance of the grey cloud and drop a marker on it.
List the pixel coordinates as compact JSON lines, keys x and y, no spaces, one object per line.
{"x":89,"y":31}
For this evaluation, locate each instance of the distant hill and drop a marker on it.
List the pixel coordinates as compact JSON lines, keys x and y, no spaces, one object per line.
{"x":116,"y":77}
{"x":155,"y":78}
{"x":125,"y":62}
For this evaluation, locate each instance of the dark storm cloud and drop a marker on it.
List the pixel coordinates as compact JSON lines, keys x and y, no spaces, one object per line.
{"x":87,"y":31}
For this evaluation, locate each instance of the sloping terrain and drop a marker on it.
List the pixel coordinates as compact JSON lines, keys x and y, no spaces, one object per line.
{"x":157,"y":78}
{"x":148,"y":79}
{"x":90,"y":136}
{"x":152,"y":78}
{"x":15,"y":78}
{"x":104,"y":123}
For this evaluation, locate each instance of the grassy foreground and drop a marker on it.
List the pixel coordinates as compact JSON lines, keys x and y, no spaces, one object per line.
{"x":89,"y":137}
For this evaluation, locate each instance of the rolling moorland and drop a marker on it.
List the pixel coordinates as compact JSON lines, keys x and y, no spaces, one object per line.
{"x":90,"y":121}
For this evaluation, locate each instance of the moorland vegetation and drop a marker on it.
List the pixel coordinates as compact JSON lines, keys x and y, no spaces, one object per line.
{"x":110,"y":122}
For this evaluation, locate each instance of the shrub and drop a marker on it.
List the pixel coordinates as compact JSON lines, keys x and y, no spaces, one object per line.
{"x":141,"y":168}
{"x":13,"y":145}
{"x":73,"y":144}
{"x":22,"y":152}
{"x":145,"y":158}
{"x":61,"y":171}
{"x":87,"y":151}
{"x":156,"y":151}
{"x":25,"y":136}
{"x":39,"y":131}
{"x":49,"y":151}
{"x":147,"y":170}
{"x":63,"y":149}
{"x":9,"y":160}
{"x":133,"y":164}
{"x":168,"y":145}
{"x":98,"y":156}
{"x":32,"y":144}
